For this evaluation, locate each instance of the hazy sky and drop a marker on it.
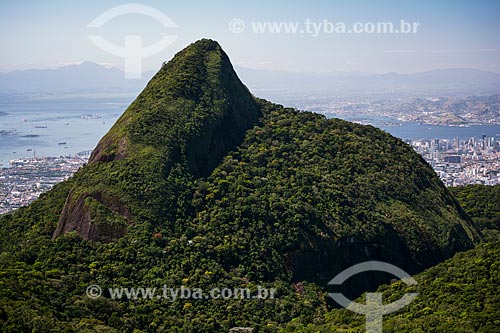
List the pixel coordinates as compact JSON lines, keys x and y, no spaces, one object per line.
{"x":41,"y":34}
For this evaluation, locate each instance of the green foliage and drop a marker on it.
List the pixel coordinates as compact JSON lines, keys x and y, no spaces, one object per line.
{"x":459,"y":295}
{"x":200,"y":184}
{"x":296,"y":177}
{"x":482,"y":204}
{"x":300,"y":176}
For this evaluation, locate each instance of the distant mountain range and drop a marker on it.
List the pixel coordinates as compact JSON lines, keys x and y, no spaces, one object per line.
{"x":89,"y":77}
{"x":458,"y":81}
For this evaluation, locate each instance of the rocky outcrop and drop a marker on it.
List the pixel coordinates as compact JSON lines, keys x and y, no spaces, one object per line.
{"x":94,"y":217}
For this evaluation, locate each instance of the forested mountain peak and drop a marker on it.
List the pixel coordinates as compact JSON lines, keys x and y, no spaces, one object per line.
{"x":197,"y":154}
{"x":201,"y":183}
{"x":191,"y":113}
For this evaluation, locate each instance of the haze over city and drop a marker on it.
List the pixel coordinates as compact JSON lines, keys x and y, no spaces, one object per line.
{"x":450,"y":34}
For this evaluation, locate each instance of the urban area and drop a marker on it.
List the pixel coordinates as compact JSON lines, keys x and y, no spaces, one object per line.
{"x":27,"y":178}
{"x":462,"y":162}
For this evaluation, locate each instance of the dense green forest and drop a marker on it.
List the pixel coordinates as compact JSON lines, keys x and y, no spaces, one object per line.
{"x":482,"y":204}
{"x":458,"y":295}
{"x":201,"y":184}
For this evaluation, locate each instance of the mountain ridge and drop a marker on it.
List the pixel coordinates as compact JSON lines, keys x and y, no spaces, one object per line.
{"x":200,"y":183}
